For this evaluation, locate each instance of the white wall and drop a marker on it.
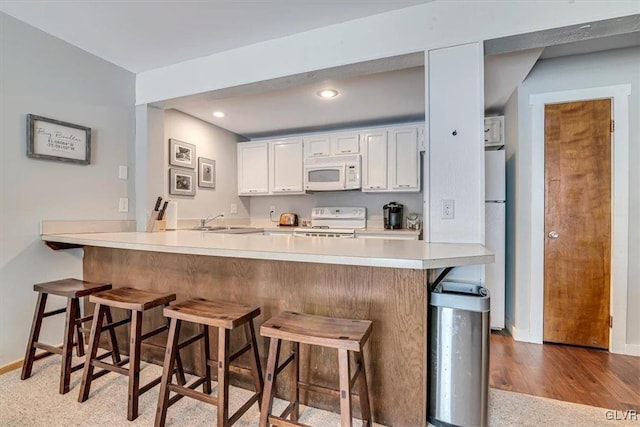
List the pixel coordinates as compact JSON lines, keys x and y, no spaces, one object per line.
{"x":303,"y":204}
{"x":214,"y":143}
{"x":511,"y":151}
{"x":609,"y":68}
{"x":42,"y":75}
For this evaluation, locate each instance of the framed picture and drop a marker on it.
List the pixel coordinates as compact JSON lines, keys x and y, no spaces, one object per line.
{"x":182,"y":182}
{"x":182,"y":154}
{"x":51,"y":139}
{"x":206,"y":173}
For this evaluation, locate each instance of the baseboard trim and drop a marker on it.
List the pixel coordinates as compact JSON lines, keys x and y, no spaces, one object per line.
{"x":632,"y":349}
{"x":11,"y":367}
{"x":523,"y":335}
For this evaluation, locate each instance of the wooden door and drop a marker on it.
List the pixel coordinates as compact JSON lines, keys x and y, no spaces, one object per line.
{"x":577,"y":223}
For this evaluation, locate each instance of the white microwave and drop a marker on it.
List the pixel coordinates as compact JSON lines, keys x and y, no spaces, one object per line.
{"x":332,"y":173}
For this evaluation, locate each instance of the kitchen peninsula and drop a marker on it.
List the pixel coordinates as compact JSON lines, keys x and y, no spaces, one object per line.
{"x":380,"y":280}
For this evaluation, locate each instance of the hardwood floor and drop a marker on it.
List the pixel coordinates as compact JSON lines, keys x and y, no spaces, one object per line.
{"x":572,"y":374}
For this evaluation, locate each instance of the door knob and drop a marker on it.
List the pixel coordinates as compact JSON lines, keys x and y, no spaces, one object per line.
{"x":553,"y":235}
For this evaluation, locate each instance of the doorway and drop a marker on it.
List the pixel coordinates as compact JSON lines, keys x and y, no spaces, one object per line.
{"x":577,"y":203}
{"x":619,"y":95}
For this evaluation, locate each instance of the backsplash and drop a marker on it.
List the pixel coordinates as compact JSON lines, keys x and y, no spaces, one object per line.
{"x":302,"y":205}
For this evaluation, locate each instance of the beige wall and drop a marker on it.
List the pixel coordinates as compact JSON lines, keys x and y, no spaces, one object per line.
{"x":214,"y":143}
{"x":42,"y":75}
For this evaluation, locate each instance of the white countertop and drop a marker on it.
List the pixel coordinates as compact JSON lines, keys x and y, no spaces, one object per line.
{"x":413,"y":254}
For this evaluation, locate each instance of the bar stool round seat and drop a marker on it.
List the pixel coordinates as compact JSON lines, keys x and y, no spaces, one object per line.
{"x":73,"y":290}
{"x":348,"y":336}
{"x":135,"y":301}
{"x":225,"y":316}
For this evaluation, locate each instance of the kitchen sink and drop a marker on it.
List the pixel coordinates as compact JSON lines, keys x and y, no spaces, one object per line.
{"x":230,"y":229}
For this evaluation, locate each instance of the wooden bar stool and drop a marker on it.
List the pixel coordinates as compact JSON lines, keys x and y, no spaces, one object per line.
{"x":346,"y":335}
{"x":73,"y":290}
{"x":136,"y":302}
{"x":222,"y":315}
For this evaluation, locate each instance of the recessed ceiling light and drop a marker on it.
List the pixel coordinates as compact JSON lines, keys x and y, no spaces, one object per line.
{"x":219,"y":114}
{"x":328,"y":93}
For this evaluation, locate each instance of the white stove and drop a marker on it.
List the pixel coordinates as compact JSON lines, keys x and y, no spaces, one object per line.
{"x":337,"y":222}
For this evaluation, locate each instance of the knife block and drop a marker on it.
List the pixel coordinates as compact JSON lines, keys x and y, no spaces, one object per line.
{"x":160,"y":225}
{"x":154,"y":224}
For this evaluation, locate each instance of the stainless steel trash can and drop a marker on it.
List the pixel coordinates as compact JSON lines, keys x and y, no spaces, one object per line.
{"x":458,"y":354}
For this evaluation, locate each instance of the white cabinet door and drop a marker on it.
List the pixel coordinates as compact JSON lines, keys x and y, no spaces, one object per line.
{"x":253,"y":168}
{"x":317,"y":146}
{"x":286,"y":166}
{"x":374,"y":161}
{"x":493,"y":131}
{"x":345,"y":143}
{"x":404,"y":159}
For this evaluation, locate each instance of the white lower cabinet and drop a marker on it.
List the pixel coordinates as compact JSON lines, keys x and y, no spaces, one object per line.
{"x":286,"y":167}
{"x":253,"y":168}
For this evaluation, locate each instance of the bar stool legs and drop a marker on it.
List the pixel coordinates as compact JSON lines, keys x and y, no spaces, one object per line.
{"x":135,"y":302}
{"x":347,"y":336}
{"x":225,"y":317}
{"x":72,"y":290}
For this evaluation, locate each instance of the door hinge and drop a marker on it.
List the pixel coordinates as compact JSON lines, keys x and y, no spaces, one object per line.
{"x":613,"y":126}
{"x":611,"y":321}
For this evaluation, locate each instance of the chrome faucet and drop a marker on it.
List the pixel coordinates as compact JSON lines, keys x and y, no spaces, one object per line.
{"x":205,"y":221}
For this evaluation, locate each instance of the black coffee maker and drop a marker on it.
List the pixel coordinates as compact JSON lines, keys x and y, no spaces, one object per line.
{"x":393,"y":215}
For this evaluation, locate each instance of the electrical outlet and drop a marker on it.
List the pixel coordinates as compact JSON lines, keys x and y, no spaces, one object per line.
{"x":234,"y":208}
{"x":272,"y":209}
{"x":448,"y":209}
{"x":123,"y":204}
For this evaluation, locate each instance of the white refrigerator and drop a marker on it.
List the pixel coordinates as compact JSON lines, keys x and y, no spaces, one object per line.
{"x":495,"y":229}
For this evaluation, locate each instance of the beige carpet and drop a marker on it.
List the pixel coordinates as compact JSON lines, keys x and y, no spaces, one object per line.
{"x":36,"y":402}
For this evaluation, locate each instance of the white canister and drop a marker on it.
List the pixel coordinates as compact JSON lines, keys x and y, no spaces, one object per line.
{"x":171,"y":215}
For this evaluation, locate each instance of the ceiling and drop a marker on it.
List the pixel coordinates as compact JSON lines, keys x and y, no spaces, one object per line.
{"x":142,"y":35}
{"x":387,"y":97}
{"x":155,"y":33}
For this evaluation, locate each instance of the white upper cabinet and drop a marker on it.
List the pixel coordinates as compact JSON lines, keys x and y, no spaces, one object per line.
{"x":317,"y":146}
{"x":345,"y":143}
{"x":331,"y":144}
{"x":374,"y":161}
{"x":404,"y":159}
{"x":494,"y":131}
{"x":390,"y":160}
{"x":286,"y":166}
{"x":253,"y":168}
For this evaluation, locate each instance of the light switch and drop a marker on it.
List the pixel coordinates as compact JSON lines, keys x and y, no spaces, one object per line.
{"x":123,"y":204}
{"x":123,"y":172}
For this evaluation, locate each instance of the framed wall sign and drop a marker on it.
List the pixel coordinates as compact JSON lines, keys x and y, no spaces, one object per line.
{"x":182,"y":154}
{"x":51,"y":139}
{"x":182,"y":182}
{"x":206,"y":173}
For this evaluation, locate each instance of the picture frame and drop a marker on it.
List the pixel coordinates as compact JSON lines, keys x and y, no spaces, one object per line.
{"x":182,"y":182}
{"x":206,"y":173}
{"x":182,"y":154}
{"x":51,"y":139}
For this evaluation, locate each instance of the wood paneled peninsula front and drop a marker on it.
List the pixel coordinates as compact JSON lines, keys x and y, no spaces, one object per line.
{"x":380,"y":280}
